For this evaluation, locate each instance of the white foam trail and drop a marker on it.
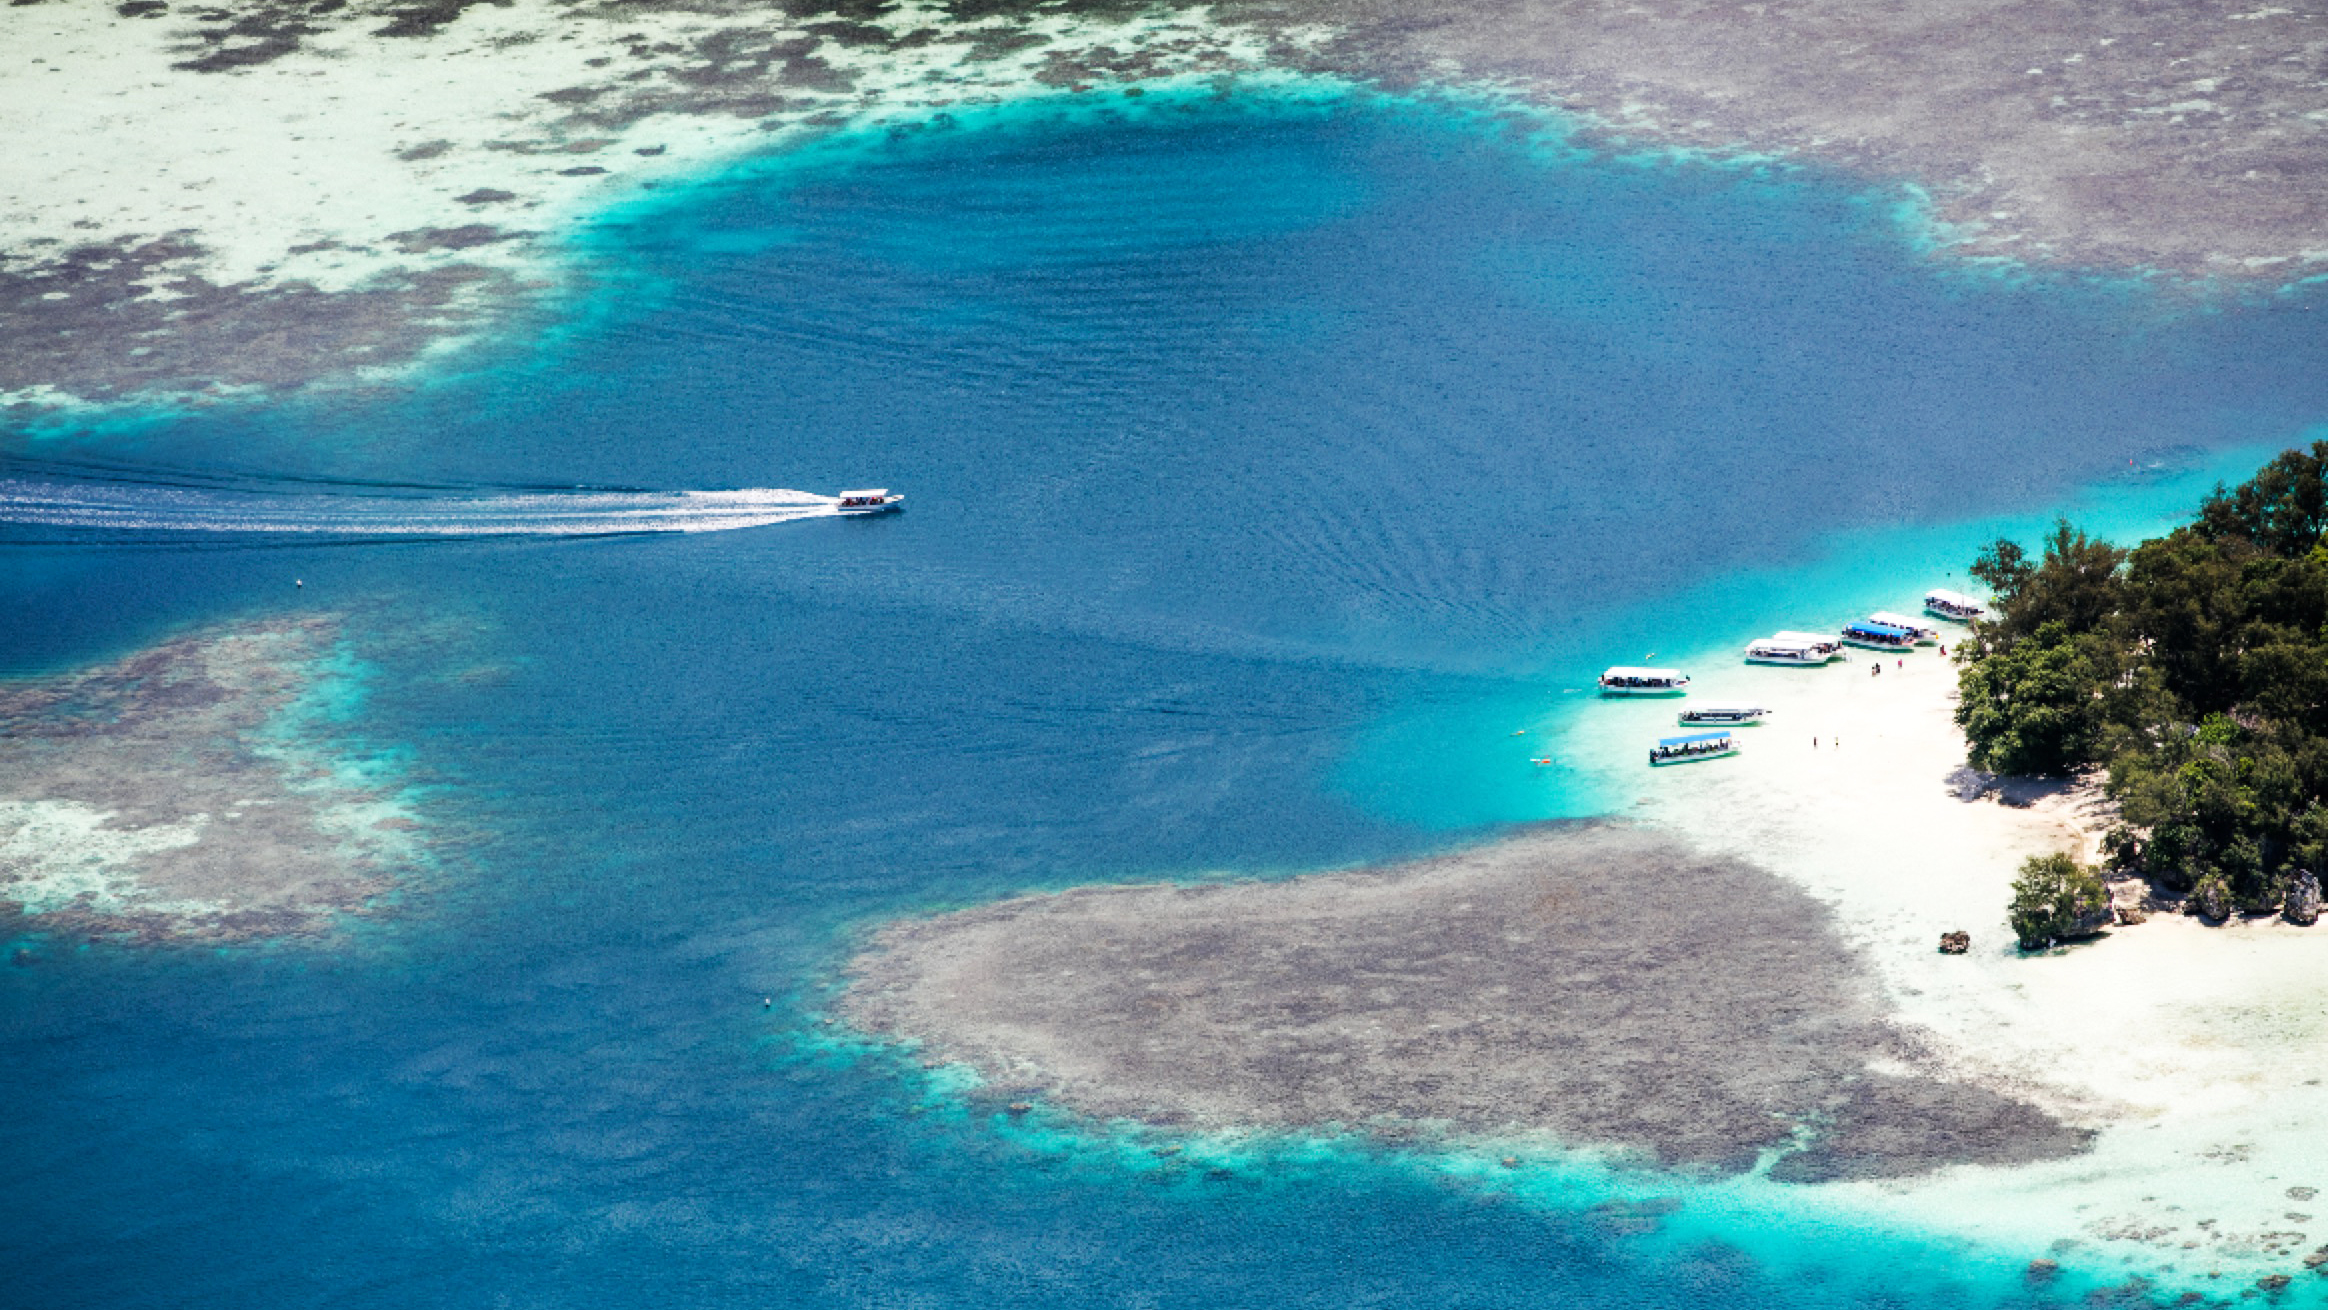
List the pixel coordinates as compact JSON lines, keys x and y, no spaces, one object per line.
{"x":153,"y":508}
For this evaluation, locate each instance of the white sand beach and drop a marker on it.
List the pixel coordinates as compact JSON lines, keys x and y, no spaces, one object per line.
{"x":2195,"y":1050}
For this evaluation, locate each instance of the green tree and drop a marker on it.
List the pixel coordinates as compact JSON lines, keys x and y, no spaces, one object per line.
{"x":2055,"y":898}
{"x":2037,"y":707}
{"x":2076,"y":583}
{"x":2194,"y":666}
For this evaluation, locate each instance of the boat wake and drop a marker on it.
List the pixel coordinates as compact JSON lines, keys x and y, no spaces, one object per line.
{"x":143,"y":502}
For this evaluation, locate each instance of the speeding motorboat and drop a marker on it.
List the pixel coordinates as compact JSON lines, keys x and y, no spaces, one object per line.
{"x":875,"y":500}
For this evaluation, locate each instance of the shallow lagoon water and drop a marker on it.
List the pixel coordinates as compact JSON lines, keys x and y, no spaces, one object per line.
{"x":1252,"y":449}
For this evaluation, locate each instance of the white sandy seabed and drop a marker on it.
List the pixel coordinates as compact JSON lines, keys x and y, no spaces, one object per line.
{"x":2200,"y":1054}
{"x":328,"y":166}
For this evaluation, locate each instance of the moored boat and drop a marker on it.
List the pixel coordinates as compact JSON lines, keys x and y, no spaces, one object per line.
{"x":1825,"y":643}
{"x":1953,"y":605}
{"x":1737,"y":715}
{"x":874,"y":500}
{"x":1789,"y":648}
{"x":1925,"y":633}
{"x":1696,"y":746}
{"x":1625,"y":680}
{"x":1877,"y":636}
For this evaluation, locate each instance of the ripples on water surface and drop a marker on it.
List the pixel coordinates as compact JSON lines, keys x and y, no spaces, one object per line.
{"x":1228,"y":431}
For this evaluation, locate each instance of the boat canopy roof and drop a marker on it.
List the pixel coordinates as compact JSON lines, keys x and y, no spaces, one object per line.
{"x":867,"y":494}
{"x":1807,"y":638}
{"x":1792,"y":641}
{"x":1693,"y":737}
{"x":1627,"y":671}
{"x":1889,"y":619}
{"x":1880,"y":629}
{"x":1947,"y":597}
{"x":1730,"y":707}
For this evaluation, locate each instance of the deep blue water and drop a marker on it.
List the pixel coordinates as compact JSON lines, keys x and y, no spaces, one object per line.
{"x":1232,"y":433}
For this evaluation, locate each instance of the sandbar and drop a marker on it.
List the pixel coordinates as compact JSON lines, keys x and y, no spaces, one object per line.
{"x":188,"y":792}
{"x":1600,"y":983}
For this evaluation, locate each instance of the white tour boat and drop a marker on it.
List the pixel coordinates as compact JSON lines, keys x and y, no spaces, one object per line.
{"x":1790,"y":648}
{"x":1926,"y":634}
{"x":1953,"y":605}
{"x":876,"y":500}
{"x":1877,"y":636}
{"x":1826,"y":643}
{"x":1696,"y":746}
{"x":1736,"y":715}
{"x":1626,"y":681}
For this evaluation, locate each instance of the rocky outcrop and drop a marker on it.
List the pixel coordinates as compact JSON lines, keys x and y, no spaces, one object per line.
{"x":1955,"y":943}
{"x":2092,"y":920}
{"x":2303,"y":906}
{"x":2211,"y":899}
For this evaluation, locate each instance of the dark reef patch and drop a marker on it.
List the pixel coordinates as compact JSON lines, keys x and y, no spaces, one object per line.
{"x":110,"y":319}
{"x":1606,"y":985}
{"x":468,"y":236}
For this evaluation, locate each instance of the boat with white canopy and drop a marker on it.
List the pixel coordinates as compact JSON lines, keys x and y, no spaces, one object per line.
{"x":1735,"y":714}
{"x":1826,"y":643}
{"x":1694,"y":747}
{"x":1625,"y":680}
{"x":1953,"y":605}
{"x":1791,"y":648}
{"x":1925,"y":633}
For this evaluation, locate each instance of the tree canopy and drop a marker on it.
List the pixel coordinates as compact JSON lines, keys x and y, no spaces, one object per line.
{"x":2193,"y":667}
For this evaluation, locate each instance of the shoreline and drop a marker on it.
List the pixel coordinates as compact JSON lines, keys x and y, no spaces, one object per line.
{"x":2186,"y":1047}
{"x":2188,"y":1051}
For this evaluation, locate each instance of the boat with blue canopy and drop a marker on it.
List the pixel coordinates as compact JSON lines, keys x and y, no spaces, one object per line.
{"x":1877,"y":636}
{"x":1695,"y":746}
{"x":1925,"y":633}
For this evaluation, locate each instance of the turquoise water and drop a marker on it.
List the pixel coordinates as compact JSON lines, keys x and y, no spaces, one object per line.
{"x":1262,"y":459}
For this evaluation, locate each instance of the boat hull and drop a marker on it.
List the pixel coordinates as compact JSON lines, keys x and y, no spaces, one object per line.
{"x":1783,"y":661}
{"x":1692,"y":759}
{"x":889,"y":506}
{"x":1644,"y":691}
{"x":1688,"y":722}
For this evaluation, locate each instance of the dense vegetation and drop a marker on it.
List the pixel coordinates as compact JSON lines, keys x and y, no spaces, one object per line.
{"x":2194,"y":667}
{"x":2056,"y":898}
